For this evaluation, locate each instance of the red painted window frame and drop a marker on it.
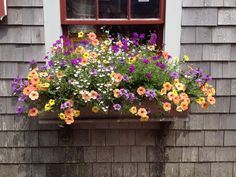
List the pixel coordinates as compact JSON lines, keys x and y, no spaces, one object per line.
{"x":109,"y":21}
{"x":3,"y":9}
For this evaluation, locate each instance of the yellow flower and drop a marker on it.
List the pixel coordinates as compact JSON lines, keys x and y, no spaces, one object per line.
{"x":144,"y":119}
{"x":201,"y":100}
{"x":60,"y":74}
{"x":95,"y":109}
{"x":62,"y":116}
{"x":47,"y":107}
{"x":80,"y":34}
{"x":107,"y":42}
{"x":175,"y":92}
{"x":180,"y":86}
{"x":132,"y":60}
{"x":176,"y":59}
{"x":186,"y":58}
{"x":105,"y":61}
{"x":133,"y":110}
{"x":86,"y":55}
{"x":76,"y":113}
{"x":51,"y":102}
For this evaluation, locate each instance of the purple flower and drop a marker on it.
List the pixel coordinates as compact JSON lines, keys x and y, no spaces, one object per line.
{"x":84,"y":42}
{"x":51,"y":63}
{"x":20,"y":110}
{"x":117,"y":107}
{"x":151,"y":94}
{"x":74,"y":61}
{"x":160,"y":65}
{"x":115,"y":48}
{"x":146,"y":61}
{"x":125,"y":48}
{"x":43,"y":68}
{"x":17,"y":84}
{"x":22,"y":98}
{"x":149,"y":75}
{"x":153,"y":39}
{"x":135,"y":43}
{"x":125,"y":78}
{"x":206,"y":77}
{"x":62,"y":62}
{"x":67,"y":42}
{"x":174,"y":75}
{"x":132,"y":68}
{"x":63,"y":106}
{"x":156,"y":58}
{"x":135,"y":35}
{"x":142,"y":36}
{"x":122,"y":61}
{"x":132,"y":97}
{"x":94,"y":72}
{"x":123,"y":92}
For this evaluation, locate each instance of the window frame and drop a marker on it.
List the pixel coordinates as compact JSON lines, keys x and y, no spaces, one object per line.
{"x":3,"y":9}
{"x":111,"y":21}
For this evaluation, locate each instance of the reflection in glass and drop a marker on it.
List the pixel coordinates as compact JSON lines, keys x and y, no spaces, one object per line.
{"x":145,"y":8}
{"x":84,"y":9}
{"x":112,"y":8}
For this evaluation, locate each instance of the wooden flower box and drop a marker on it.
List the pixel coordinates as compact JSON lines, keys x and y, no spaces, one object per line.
{"x":87,"y":116}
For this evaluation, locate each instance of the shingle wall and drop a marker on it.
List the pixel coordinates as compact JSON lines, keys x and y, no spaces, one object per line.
{"x":203,"y":147}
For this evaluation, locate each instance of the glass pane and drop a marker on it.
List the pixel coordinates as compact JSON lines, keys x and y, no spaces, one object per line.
{"x":113,"y":8}
{"x":83,"y":9}
{"x":145,"y":8}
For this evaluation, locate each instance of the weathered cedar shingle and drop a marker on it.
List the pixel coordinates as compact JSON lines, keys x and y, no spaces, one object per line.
{"x":199,"y":17}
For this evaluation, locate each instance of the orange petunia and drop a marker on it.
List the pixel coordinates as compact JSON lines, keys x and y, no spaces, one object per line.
{"x":167,"y":86}
{"x":94,"y":94}
{"x":167,"y":106}
{"x":184,"y":106}
{"x":69,"y":112}
{"x":33,"y":73}
{"x":142,"y":112}
{"x":94,"y":55}
{"x":84,"y":61}
{"x":33,"y":86}
{"x":86,"y":96}
{"x":95,"y":42}
{"x":34,"y":95}
{"x":211,"y":100}
{"x":183,"y":96}
{"x":165,"y":55}
{"x":92,"y":36}
{"x":141,"y":90}
{"x":27,"y":90}
{"x":33,"y":112}
{"x":69,"y":120}
{"x":118,"y":77}
{"x":116,"y":93}
{"x":163,"y":91}
{"x":34,"y":80}
{"x":205,"y":105}
{"x":176,"y":99}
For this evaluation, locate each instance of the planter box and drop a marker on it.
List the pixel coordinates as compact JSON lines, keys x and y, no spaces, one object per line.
{"x":87,"y":116}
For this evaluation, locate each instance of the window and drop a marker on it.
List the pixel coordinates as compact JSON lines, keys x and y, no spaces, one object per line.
{"x":55,"y":21}
{"x":123,"y":16}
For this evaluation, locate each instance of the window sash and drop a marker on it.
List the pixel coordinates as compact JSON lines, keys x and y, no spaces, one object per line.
{"x":111,"y":21}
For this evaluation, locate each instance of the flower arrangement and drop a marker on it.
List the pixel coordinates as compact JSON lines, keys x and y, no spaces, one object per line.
{"x":111,"y":74}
